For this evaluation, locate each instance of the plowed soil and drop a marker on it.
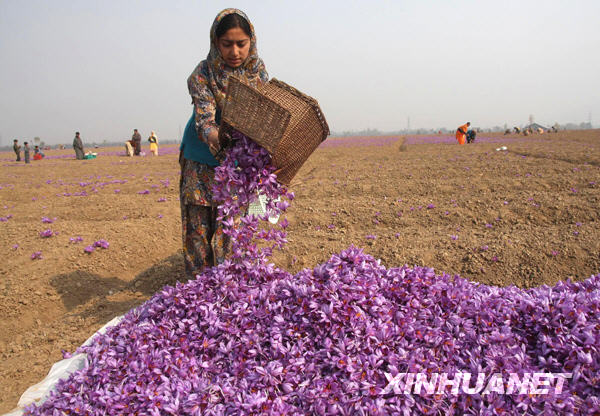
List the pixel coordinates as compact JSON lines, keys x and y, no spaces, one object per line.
{"x":526,"y":216}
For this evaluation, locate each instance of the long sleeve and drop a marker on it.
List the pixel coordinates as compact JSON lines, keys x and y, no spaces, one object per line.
{"x":205,"y":106}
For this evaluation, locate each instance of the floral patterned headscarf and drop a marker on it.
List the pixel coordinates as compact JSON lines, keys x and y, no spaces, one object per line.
{"x":218,"y":71}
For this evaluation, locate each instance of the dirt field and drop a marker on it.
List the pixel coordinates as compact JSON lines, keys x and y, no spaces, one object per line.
{"x":526,"y":216}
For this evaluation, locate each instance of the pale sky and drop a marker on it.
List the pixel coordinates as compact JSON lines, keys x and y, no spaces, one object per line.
{"x":105,"y":67}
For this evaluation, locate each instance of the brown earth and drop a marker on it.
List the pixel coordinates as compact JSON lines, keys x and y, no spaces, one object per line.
{"x":526,"y":216}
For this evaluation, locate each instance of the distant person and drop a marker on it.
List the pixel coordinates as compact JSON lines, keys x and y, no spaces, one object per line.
{"x":37,"y":153}
{"x":471,"y":134}
{"x":461,"y":133}
{"x":26,"y":151}
{"x":78,"y":147}
{"x":137,"y":142}
{"x":17,"y":149}
{"x":517,"y":130}
{"x":153,"y":144}
{"x":129,"y":147}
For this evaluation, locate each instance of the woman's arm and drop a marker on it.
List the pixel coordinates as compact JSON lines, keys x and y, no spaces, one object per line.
{"x":205,"y":107}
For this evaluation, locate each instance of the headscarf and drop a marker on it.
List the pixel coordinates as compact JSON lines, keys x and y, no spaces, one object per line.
{"x":208,"y":83}
{"x":218,"y":71}
{"x":212,"y":73}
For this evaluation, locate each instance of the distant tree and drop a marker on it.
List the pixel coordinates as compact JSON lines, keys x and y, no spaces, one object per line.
{"x":36,"y":140}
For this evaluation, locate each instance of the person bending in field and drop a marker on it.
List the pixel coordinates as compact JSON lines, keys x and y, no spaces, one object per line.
{"x":461,"y":133}
{"x":232,"y":52}
{"x":471,"y":134}
{"x":129,"y":148}
{"x":37,"y":153}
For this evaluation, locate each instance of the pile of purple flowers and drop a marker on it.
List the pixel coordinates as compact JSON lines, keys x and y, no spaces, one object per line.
{"x":248,"y":338}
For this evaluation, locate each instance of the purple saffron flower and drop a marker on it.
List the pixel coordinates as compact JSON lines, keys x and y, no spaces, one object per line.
{"x":454,"y":237}
{"x":46,"y":233}
{"x":89,"y":249}
{"x":101,"y":243}
{"x":37,"y":255}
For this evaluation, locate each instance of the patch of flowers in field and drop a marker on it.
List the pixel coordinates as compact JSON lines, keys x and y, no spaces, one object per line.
{"x":246,"y":337}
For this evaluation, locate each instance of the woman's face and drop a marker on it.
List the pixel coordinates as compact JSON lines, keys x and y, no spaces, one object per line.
{"x":234,"y":46}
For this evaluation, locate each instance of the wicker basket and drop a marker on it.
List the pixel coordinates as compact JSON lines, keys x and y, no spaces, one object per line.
{"x":287,"y":123}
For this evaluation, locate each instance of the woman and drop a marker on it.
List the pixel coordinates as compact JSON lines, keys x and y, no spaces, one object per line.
{"x":232,"y":52}
{"x":461,"y":133}
{"x":153,"y":143}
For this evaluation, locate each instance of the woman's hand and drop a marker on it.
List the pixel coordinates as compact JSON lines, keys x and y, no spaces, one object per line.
{"x":213,"y":142}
